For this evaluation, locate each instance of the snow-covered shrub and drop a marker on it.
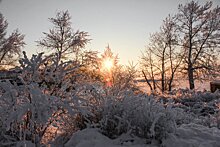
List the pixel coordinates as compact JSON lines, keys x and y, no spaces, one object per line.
{"x":113,"y":122}
{"x":199,"y":107}
{"x":115,"y":114}
{"x":150,"y":117}
{"x":140,"y":115}
{"x":204,"y":105}
{"x":47,"y":97}
{"x":200,"y":103}
{"x":53,"y":77}
{"x":27,"y":113}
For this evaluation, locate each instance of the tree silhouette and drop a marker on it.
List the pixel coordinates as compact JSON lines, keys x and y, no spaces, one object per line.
{"x":10,"y":47}
{"x":199,"y":32}
{"x":62,"y":39}
{"x":162,"y":58}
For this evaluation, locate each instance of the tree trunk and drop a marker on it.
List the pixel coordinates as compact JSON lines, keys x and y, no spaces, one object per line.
{"x":162,"y":77}
{"x":147,"y":80}
{"x":163,"y":71}
{"x":170,"y":82}
{"x":190,"y":76}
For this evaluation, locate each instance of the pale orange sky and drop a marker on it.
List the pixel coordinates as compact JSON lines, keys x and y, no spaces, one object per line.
{"x":123,"y":24}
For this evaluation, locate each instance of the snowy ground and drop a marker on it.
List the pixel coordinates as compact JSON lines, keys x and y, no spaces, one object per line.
{"x":190,"y":135}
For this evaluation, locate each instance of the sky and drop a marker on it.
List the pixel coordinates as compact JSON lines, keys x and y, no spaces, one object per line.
{"x":123,"y":24}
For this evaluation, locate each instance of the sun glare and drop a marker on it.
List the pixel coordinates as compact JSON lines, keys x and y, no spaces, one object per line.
{"x":108,"y":64}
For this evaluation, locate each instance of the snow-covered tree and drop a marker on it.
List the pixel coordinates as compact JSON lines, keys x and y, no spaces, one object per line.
{"x":10,"y":47}
{"x":62,"y":40}
{"x":199,"y":34}
{"x":162,"y":57}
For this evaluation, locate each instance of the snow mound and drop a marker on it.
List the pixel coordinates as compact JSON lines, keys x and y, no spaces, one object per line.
{"x":92,"y":138}
{"x":88,"y":138}
{"x":191,"y":135}
{"x":187,"y":135}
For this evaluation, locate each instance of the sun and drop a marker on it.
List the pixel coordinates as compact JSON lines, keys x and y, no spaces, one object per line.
{"x":108,"y":64}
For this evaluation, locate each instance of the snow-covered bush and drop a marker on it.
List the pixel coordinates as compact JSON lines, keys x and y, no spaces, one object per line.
{"x":46,"y":97}
{"x":53,"y":77}
{"x":152,"y":117}
{"x":200,"y":107}
{"x":204,"y":105}
{"x":26,"y":112}
{"x":140,"y":115}
{"x":115,"y":114}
